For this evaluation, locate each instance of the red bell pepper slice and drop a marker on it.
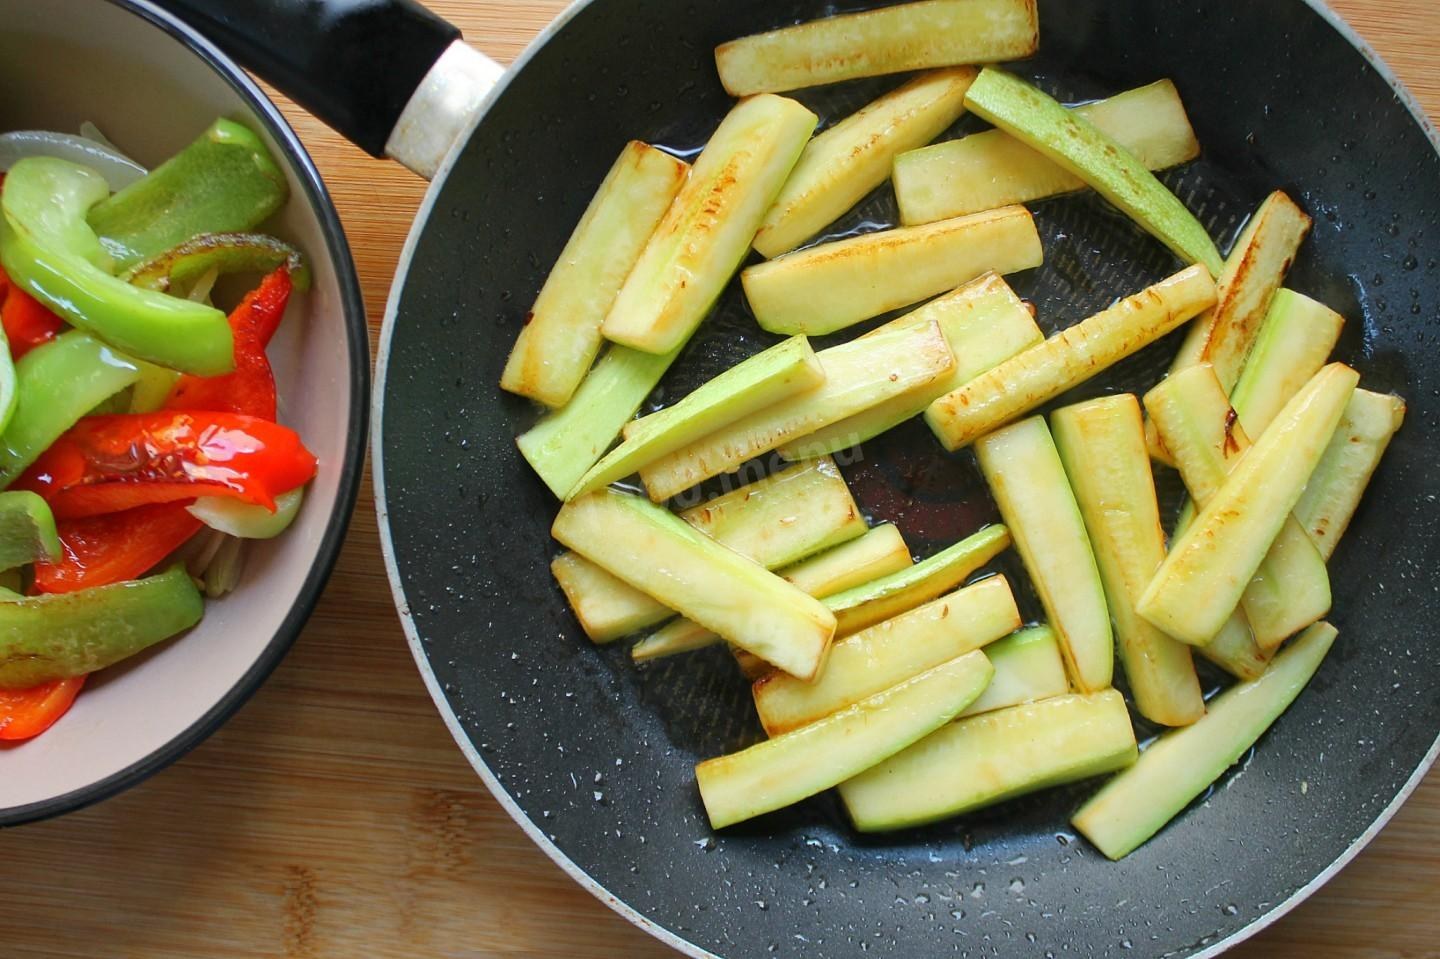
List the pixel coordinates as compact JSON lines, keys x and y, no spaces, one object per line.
{"x":250,"y":389}
{"x":101,"y":550}
{"x":106,"y":464}
{"x":26,"y":713}
{"x":27,"y":322}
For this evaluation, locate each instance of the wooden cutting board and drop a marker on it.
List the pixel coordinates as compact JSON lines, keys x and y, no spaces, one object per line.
{"x":334,"y":816}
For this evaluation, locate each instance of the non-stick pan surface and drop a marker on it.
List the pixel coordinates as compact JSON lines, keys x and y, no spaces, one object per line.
{"x":594,"y":756}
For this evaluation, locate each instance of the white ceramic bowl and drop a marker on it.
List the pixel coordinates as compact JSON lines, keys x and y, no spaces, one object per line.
{"x":152,"y":86}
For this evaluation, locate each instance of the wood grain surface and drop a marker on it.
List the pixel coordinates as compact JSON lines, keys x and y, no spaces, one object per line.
{"x":334,"y":817}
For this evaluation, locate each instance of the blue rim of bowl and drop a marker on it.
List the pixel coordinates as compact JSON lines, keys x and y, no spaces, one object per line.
{"x":357,"y":342}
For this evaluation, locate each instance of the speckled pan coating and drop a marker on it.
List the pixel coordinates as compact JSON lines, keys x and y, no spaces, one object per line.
{"x":597,"y":755}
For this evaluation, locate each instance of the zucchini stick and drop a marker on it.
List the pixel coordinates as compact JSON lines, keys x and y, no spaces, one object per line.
{"x":1068,"y":358}
{"x":707,"y":231}
{"x":606,"y":606}
{"x":878,"y":553}
{"x":561,"y":336}
{"x":658,"y":553}
{"x":1029,"y":485}
{"x":987,"y":759}
{"x":985,"y":324}
{"x":1234,"y":649}
{"x":1295,"y":340}
{"x":910,"y":36}
{"x":843,"y":164}
{"x":783,"y":371}
{"x":1210,"y":565}
{"x":888,"y":653}
{"x":858,"y":375}
{"x":1074,"y":143}
{"x":1243,"y":292}
{"x":829,"y":287}
{"x":1244,"y":289}
{"x":1102,"y":445}
{"x":1180,"y":765}
{"x":1291,"y":588}
{"x":878,"y":600}
{"x":992,"y":169}
{"x":784,"y":770}
{"x":567,"y":442}
{"x":1333,"y":493}
{"x":797,"y":512}
{"x":1028,"y":668}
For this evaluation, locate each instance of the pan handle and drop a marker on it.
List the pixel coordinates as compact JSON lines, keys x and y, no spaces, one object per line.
{"x":388,"y":75}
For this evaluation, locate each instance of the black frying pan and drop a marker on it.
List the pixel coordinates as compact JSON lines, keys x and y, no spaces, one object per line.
{"x":594,"y":757}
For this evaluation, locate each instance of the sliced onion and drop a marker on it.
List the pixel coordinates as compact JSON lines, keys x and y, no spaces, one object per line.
{"x":118,"y":170}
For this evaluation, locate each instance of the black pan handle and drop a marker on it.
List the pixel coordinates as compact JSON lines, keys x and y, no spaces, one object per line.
{"x":388,"y":75}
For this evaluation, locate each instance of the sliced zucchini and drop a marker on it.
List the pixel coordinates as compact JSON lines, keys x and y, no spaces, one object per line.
{"x":829,"y":287}
{"x":566,"y":443}
{"x":658,"y":553}
{"x":707,"y":231}
{"x":987,"y":759}
{"x":27,"y":530}
{"x":775,"y":521}
{"x":561,"y":336}
{"x":1244,"y":288}
{"x":879,"y":552}
{"x":802,"y":510}
{"x":1234,"y":649}
{"x":1030,"y":487}
{"x":1295,"y":340}
{"x":1102,"y":445}
{"x":1180,"y":765}
{"x":858,"y":375}
{"x":1211,"y":564}
{"x":1291,"y":588}
{"x":843,"y":164}
{"x":606,"y":606}
{"x":783,"y":371}
{"x":888,"y":653}
{"x":1068,"y":358}
{"x":878,"y":600}
{"x":909,"y":36}
{"x":1333,"y":493}
{"x":985,"y":324}
{"x":784,"y":770}
{"x":1028,"y":668}
{"x":1075,"y":144}
{"x":248,"y":520}
{"x":993,"y":169}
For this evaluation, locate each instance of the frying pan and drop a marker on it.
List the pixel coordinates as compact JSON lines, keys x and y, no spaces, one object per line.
{"x":593,"y":756}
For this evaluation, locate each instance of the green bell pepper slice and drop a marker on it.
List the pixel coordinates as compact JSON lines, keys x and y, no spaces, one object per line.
{"x":61,"y":635}
{"x":224,"y":182}
{"x":27,"y":530}
{"x":44,"y":205}
{"x":8,"y":392}
{"x":246,"y":520}
{"x":57,"y":384}
{"x":176,"y":270}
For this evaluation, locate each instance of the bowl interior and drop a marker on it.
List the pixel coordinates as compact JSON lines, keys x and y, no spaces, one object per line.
{"x":67,"y":61}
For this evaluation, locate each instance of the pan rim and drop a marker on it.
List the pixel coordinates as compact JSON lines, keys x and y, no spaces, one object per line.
{"x":422,"y":659}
